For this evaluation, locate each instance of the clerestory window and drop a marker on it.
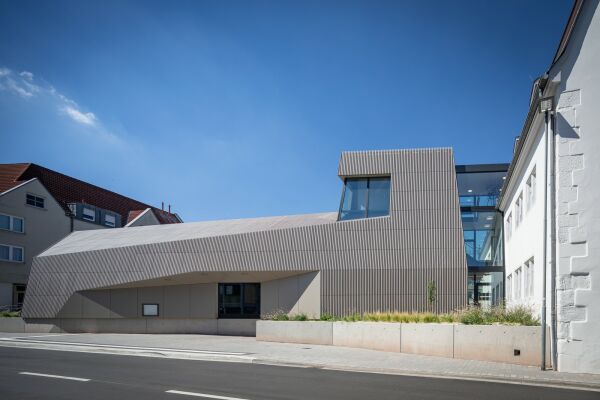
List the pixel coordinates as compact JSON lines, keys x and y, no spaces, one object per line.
{"x":365,"y":198}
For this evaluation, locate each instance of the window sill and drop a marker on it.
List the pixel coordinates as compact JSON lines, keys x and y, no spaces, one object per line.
{"x":37,"y":208}
{"x":363,"y":219}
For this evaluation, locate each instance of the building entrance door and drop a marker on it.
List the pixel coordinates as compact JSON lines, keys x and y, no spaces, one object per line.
{"x":239,"y":300}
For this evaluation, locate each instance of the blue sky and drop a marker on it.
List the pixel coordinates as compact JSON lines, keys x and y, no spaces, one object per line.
{"x":231,"y":109}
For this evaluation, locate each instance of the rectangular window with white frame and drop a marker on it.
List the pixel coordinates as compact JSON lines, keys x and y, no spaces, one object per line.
{"x":89,"y":214}
{"x":530,"y":190}
{"x":11,"y":253}
{"x":509,"y":287}
{"x":12,"y":223}
{"x":519,"y":210}
{"x":508,"y":226}
{"x":518,"y":285}
{"x":530,"y":265}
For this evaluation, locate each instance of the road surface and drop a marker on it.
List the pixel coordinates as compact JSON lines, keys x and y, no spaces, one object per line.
{"x":45,"y":374}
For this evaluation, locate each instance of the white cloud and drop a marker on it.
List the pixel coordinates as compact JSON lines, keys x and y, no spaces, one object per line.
{"x":27,"y":75}
{"x":81,"y":117}
{"x":25,"y":86}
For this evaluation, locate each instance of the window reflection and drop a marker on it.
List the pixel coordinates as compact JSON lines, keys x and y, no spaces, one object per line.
{"x":365,"y":198}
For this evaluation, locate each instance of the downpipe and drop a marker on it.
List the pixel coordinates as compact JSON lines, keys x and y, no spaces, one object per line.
{"x":545,"y":246}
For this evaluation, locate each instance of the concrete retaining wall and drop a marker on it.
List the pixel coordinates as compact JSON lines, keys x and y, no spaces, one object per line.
{"x":238,"y":327}
{"x":508,"y":344}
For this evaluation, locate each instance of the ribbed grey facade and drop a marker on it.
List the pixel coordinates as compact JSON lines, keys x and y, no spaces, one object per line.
{"x":370,"y":264}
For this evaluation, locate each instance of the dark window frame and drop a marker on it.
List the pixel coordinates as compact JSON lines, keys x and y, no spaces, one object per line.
{"x":220,"y":312}
{"x":151,"y":304}
{"x":368,"y":179}
{"x":34,"y":200}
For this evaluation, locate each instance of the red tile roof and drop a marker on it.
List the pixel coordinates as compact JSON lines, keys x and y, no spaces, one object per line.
{"x":133,"y":215}
{"x":66,"y":189}
{"x":9,"y":175}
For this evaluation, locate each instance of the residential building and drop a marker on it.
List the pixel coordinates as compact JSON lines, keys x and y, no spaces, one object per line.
{"x":398,"y":229}
{"x":552,"y":190}
{"x":39,"y":207}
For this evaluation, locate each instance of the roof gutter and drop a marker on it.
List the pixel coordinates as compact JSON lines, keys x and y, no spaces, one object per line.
{"x":538,"y":87}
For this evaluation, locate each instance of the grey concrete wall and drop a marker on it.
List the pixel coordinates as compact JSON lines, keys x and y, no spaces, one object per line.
{"x":367,"y":335}
{"x":237,"y":327}
{"x":292,"y":295}
{"x":469,"y":342}
{"x":6,"y":293}
{"x":176,"y":301}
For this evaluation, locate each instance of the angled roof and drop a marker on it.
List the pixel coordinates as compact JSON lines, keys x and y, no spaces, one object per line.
{"x":99,"y":239}
{"x":9,"y":175}
{"x":66,"y":189}
{"x":134,"y":214}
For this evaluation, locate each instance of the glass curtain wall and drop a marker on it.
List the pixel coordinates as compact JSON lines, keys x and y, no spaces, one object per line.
{"x":479,"y":187}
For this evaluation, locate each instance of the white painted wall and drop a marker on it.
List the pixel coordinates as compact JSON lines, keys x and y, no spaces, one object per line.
{"x":578,"y":196}
{"x":525,"y":241}
{"x":577,"y":199}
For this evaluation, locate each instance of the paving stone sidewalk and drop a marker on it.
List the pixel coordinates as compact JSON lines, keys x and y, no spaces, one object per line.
{"x":330,"y":357}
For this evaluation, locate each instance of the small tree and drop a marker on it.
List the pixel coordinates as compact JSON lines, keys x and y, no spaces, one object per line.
{"x":431,"y":295}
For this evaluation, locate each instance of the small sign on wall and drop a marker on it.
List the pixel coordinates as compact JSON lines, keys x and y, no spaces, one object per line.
{"x":150,"y":310}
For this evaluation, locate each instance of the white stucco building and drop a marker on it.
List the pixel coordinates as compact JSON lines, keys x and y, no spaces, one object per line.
{"x":552,"y":210}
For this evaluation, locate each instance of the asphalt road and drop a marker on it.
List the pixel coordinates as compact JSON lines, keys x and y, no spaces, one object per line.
{"x":98,"y":376}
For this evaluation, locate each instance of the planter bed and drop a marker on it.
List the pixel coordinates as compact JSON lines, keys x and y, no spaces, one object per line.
{"x":500,"y":343}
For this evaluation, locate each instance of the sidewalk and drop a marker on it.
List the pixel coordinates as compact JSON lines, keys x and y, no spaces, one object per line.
{"x":248,"y":350}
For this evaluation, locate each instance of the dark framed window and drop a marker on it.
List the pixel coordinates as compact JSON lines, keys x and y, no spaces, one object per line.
{"x":150,"y":310}
{"x":35,"y":201}
{"x":365,"y":198}
{"x":239,"y":300}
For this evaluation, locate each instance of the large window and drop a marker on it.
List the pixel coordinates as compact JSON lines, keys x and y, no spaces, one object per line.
{"x":479,"y":188}
{"x":482,"y":232}
{"x":10,"y":223}
{"x":365,"y":198}
{"x":239,"y":300}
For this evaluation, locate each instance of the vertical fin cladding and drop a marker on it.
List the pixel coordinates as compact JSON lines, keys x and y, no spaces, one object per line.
{"x":381,"y":263}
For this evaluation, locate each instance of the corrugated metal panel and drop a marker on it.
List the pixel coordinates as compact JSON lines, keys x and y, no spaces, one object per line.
{"x":367,"y":265}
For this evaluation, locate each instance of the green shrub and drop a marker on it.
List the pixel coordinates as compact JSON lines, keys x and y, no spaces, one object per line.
{"x":327,"y":317}
{"x":278,"y":316}
{"x":518,"y":315}
{"x":299,"y":317}
{"x":10,"y":314}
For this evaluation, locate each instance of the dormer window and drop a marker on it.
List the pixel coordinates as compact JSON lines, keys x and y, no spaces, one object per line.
{"x":365,"y":198}
{"x":110,"y":220}
{"x":89,"y":214}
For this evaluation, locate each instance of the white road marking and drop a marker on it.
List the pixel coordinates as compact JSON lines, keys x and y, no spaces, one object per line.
{"x":36,"y":336}
{"x":116,"y":346}
{"x":70,"y":378}
{"x":206,"y":396}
